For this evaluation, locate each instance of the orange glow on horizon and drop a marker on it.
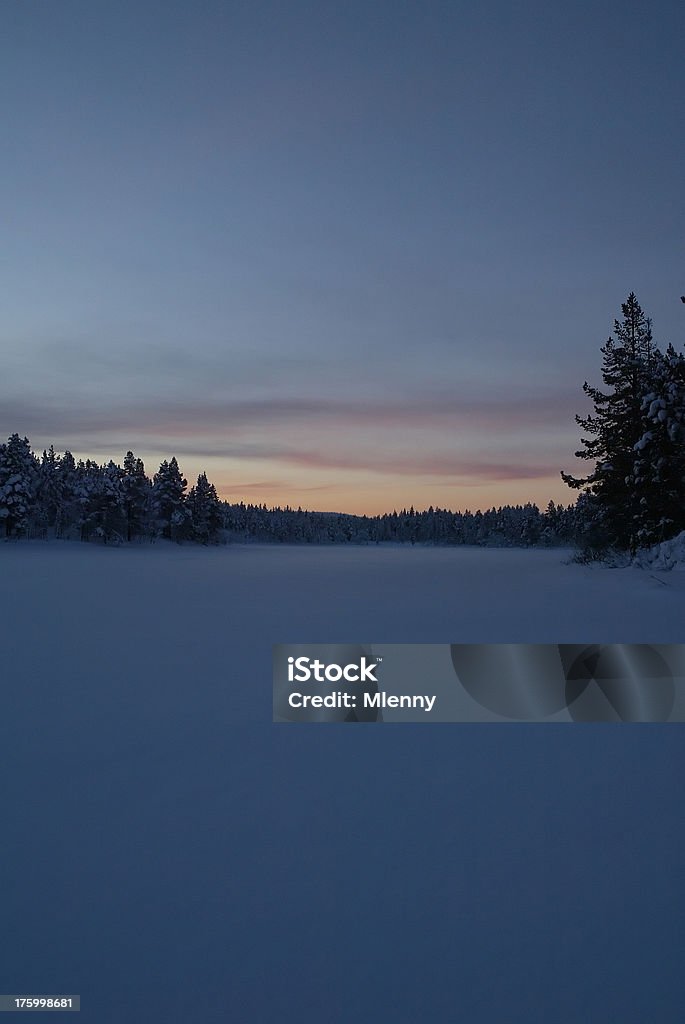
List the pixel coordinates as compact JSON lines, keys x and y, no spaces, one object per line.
{"x":359,"y":498}
{"x":356,"y":492}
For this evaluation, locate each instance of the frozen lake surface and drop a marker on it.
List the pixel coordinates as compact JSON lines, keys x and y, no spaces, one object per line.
{"x":184,"y":601}
{"x":171,"y":855}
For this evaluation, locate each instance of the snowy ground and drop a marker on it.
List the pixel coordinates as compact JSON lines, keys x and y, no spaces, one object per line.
{"x":172,"y":855}
{"x":668,"y":555}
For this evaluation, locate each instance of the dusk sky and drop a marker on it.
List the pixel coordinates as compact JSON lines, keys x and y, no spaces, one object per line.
{"x":350,"y":256}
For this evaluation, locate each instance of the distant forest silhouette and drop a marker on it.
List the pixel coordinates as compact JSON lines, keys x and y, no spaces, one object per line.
{"x":55,"y":496}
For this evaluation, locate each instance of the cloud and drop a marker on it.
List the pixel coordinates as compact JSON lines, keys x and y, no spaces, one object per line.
{"x":270,"y":486}
{"x":389,"y":435}
{"x":172,"y":417}
{"x":452,"y":466}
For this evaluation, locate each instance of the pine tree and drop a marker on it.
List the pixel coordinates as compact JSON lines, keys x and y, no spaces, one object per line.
{"x":101,"y":497}
{"x":18,"y":485}
{"x":136,"y":487}
{"x":168,"y":499}
{"x":47,"y":491}
{"x":86,"y":489}
{"x":205,"y":509}
{"x":67,"y":514}
{"x":615,"y":428}
{"x":112,"y":513}
{"x":659,"y":458}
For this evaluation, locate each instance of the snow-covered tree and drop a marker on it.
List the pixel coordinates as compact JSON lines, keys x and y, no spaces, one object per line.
{"x":136,"y":488}
{"x":68,"y":510}
{"x":205,"y":510}
{"x":615,"y":427}
{"x":47,"y":492}
{"x":101,"y":498}
{"x":18,"y":485}
{"x":168,"y":499}
{"x":659,"y":457}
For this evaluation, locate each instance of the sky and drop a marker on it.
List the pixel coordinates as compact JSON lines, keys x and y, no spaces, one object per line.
{"x":350,"y":256}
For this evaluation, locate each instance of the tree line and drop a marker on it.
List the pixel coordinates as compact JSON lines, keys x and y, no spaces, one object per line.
{"x":506,"y":526}
{"x":56,"y":496}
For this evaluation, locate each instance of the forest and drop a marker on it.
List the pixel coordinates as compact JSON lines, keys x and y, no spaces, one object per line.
{"x":632,"y":497}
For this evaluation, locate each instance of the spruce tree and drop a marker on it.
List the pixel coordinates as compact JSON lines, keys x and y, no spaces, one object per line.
{"x":205,"y":508}
{"x":168,"y":498}
{"x":659,"y":458}
{"x":47,"y":491}
{"x":18,"y":485}
{"x":67,"y":515}
{"x":100,"y":495}
{"x":136,"y":487}
{"x":614,"y":429}
{"x":112,"y":510}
